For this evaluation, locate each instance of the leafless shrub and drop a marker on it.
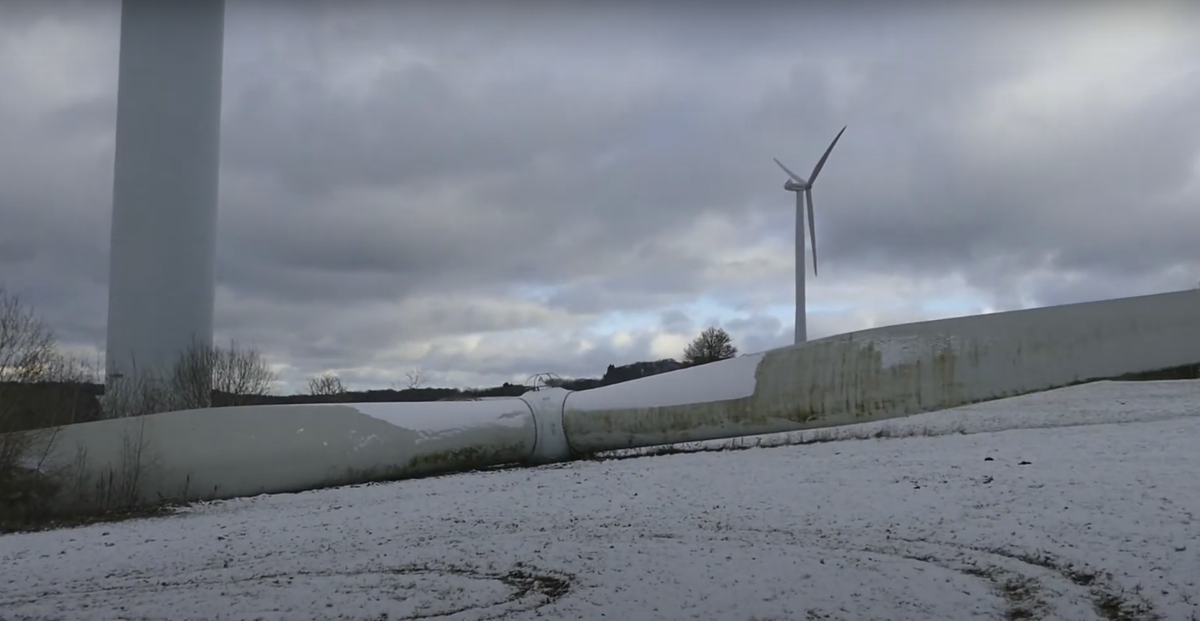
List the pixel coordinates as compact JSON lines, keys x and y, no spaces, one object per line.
{"x":203,"y":376}
{"x":78,"y":492}
{"x":326,"y":385}
{"x":117,"y":487}
{"x":27,"y":357}
{"x":190,"y":381}
{"x":138,"y":392}
{"x":242,"y":374}
{"x":40,"y":389}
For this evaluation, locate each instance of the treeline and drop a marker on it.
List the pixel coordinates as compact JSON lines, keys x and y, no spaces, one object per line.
{"x":41,"y":387}
{"x":614,"y":375}
{"x":83,"y":398}
{"x":709,"y":346}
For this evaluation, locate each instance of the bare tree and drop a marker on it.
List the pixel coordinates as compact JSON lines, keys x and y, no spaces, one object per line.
{"x":27,"y":346}
{"x":414,"y":379}
{"x":140,"y":392}
{"x":233,"y":376}
{"x":712,"y":345}
{"x":189,"y":383}
{"x":241,"y":374}
{"x":39,"y":390}
{"x":326,"y":385}
{"x":42,"y":388}
{"x":27,"y":354}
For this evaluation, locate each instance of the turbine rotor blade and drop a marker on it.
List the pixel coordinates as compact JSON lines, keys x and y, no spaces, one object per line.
{"x":821,"y":164}
{"x":800,"y":267}
{"x":791,"y":174}
{"x":812,"y":228}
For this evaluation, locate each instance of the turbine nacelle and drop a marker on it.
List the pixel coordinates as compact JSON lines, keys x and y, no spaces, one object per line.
{"x":792,"y":186}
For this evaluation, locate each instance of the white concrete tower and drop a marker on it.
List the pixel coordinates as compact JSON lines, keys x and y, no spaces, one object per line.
{"x":801,"y":331}
{"x":161,"y":270}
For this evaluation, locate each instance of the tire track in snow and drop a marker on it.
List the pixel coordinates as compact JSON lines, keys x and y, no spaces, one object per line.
{"x":405,"y":593}
{"x":1035,"y":586}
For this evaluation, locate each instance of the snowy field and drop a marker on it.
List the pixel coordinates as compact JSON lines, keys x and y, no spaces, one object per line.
{"x":1077,"y":504}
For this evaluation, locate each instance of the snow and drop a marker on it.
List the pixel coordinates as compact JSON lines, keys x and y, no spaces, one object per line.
{"x":723,"y":380}
{"x":1077,"y":504}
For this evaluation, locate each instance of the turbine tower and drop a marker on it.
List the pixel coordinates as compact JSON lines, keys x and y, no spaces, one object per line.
{"x":165,"y":179}
{"x":803,"y":190}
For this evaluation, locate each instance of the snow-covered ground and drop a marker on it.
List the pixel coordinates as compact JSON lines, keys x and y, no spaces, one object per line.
{"x":1091,"y":514}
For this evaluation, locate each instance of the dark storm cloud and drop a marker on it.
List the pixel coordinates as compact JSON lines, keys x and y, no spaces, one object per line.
{"x":522,"y":146}
{"x":522,"y":142}
{"x":397,"y":176}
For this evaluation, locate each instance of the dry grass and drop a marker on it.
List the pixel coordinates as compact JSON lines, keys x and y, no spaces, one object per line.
{"x":44,"y":485}
{"x":43,"y":495}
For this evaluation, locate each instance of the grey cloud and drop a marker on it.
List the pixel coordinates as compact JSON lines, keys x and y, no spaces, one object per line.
{"x":676,"y":321}
{"x":757,"y":333}
{"x":573,"y":148}
{"x":15,"y":251}
{"x":96,"y":117}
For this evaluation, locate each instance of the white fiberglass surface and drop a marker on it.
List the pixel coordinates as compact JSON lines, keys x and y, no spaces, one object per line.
{"x":449,"y":416}
{"x":1083,"y":521}
{"x":717,"y":381}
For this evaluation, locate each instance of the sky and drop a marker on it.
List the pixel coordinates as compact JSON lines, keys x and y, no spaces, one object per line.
{"x":483,"y":191}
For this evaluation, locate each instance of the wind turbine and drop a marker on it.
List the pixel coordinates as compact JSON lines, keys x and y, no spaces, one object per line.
{"x":803,"y":190}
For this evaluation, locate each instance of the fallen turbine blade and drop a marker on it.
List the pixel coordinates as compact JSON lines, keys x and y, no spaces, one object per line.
{"x":821,"y":164}
{"x":812,"y":228}
{"x":791,"y":174}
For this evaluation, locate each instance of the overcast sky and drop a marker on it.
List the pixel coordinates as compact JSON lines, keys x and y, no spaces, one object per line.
{"x":490,"y":190}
